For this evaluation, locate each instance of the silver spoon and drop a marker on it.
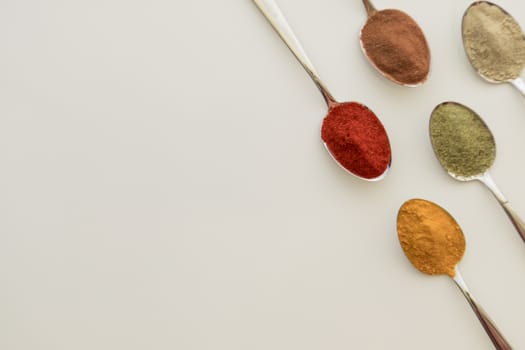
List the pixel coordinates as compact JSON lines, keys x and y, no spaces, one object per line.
{"x":477,"y":53}
{"x":458,"y":158}
{"x":396,"y":63}
{"x":275,"y":17}
{"x":434,"y":243}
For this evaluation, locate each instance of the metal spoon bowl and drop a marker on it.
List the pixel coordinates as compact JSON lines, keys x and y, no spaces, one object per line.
{"x":515,"y":81}
{"x":484,"y":176}
{"x":275,"y":17}
{"x":372,"y":12}
{"x":407,"y":229}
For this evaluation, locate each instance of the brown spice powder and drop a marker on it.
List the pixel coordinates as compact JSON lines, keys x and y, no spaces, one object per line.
{"x":397,"y":46}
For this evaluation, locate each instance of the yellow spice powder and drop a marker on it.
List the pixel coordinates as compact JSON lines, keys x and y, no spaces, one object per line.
{"x":430,"y":237}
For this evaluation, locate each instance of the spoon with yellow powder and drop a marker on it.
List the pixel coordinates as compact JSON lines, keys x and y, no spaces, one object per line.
{"x":466,"y":149}
{"x":434,"y":243}
{"x":494,"y":43}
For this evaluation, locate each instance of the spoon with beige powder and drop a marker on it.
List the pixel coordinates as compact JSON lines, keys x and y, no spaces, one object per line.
{"x":395,"y":45}
{"x":494,"y":43}
{"x":434,"y":243}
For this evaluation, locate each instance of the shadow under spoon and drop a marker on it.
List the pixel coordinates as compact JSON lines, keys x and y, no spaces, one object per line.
{"x":365,"y":151}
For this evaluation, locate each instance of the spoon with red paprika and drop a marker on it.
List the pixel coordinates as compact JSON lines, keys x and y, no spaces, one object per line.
{"x":395,"y":45}
{"x":353,"y":135}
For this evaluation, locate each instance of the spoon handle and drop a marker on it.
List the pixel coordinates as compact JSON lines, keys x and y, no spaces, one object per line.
{"x":370,"y":9}
{"x":516,"y":220}
{"x":519,"y":84}
{"x":499,"y":341}
{"x":511,"y":213}
{"x":274,"y":15}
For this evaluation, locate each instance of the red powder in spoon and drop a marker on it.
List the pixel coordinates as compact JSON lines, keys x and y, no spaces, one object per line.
{"x":357,"y":139}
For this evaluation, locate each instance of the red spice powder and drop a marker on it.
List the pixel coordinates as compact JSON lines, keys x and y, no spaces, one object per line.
{"x":357,"y":139}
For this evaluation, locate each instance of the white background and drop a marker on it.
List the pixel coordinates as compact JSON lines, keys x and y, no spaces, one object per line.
{"x":163,"y":184}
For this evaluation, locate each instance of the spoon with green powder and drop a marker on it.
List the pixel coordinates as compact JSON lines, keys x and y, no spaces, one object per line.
{"x":434,"y":243}
{"x":395,"y":45}
{"x":494,"y":43}
{"x":465,"y":147}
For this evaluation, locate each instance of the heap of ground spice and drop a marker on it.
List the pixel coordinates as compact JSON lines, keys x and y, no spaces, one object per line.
{"x":430,"y":237}
{"x":356,"y":139}
{"x":397,"y":46}
{"x":461,"y":140}
{"x":494,"y":42}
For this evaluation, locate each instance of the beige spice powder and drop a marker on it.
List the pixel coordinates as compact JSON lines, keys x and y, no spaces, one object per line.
{"x":494,"y":42}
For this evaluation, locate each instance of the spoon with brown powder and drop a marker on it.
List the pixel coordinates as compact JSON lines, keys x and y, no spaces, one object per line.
{"x":494,"y":43}
{"x":395,"y":45}
{"x":434,"y":243}
{"x":352,"y":133}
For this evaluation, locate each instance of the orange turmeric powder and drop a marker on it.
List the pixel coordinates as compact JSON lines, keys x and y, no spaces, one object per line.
{"x":430,"y":237}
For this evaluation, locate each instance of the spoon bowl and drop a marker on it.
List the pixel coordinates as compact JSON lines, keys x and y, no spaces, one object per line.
{"x":346,"y":150}
{"x":395,"y":45}
{"x":430,"y":237}
{"x":494,"y":44}
{"x":352,"y":134}
{"x":466,"y":149}
{"x":434,"y":243}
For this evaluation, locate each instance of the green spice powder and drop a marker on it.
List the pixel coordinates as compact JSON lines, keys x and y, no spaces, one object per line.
{"x":494,"y":42}
{"x":461,"y":140}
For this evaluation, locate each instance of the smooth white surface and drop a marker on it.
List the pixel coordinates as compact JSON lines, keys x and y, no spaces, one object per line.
{"x":163,"y":184}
